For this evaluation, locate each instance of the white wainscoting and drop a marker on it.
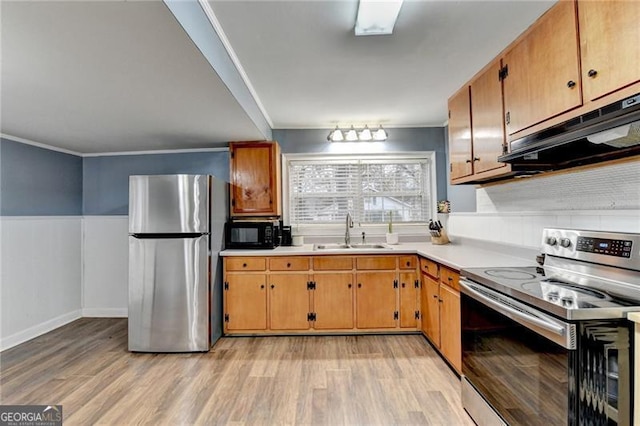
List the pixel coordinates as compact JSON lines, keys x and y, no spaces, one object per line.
{"x":105,"y":274}
{"x":40,"y":278}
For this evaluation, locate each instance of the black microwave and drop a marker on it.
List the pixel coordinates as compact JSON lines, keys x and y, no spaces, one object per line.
{"x":252,"y":234}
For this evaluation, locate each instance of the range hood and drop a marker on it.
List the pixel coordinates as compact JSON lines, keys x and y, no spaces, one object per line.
{"x":612,"y":131}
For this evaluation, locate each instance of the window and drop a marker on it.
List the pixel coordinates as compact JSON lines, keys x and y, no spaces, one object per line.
{"x":322,"y":189}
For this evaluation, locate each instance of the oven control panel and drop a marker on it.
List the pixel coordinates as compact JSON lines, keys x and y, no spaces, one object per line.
{"x":620,"y":248}
{"x":608,"y":248}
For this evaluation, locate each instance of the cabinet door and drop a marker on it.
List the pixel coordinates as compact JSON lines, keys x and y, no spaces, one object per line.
{"x":333,"y":301}
{"x":409,"y":294}
{"x":488,"y":120}
{"x":255,"y":181}
{"x":543,"y":77}
{"x":610,"y":45}
{"x":460,"y":152}
{"x":450,"y":335}
{"x":431,"y":309}
{"x":246,"y":302}
{"x":376,"y":300}
{"x":288,"y":301}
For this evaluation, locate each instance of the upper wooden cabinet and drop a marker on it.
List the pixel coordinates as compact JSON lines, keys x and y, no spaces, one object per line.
{"x":609,"y":45}
{"x":488,"y":121}
{"x":474,"y":149}
{"x":255,"y":179}
{"x":460,"y":150}
{"x":541,"y":76}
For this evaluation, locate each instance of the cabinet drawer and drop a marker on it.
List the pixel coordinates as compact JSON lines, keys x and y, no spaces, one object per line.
{"x":289,"y":264}
{"x":245,"y":263}
{"x":407,"y":262}
{"x":450,"y":278}
{"x":332,"y":263}
{"x":429,"y":267}
{"x":376,"y":262}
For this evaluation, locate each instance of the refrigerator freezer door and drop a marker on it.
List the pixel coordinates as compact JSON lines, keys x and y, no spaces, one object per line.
{"x":169,"y":294}
{"x":169,"y":204}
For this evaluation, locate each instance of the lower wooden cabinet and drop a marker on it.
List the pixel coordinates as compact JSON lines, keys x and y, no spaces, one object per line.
{"x":431,"y":309}
{"x":409,"y":299}
{"x":321,"y":293}
{"x":308,"y":294}
{"x":333,"y":301}
{"x":440,"y":303}
{"x":450,"y":329}
{"x":246,"y":302}
{"x":376,"y":299}
{"x":289,"y":301}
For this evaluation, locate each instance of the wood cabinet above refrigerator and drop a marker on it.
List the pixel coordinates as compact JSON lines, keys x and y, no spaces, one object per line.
{"x":255,"y":179}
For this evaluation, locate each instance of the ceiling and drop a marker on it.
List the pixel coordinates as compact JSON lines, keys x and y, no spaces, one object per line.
{"x":114,"y":76}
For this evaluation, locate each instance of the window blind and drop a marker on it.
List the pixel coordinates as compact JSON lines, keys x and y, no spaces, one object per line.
{"x":322,"y":192}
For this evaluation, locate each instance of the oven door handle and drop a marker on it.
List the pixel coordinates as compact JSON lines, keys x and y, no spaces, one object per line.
{"x":559,"y":332}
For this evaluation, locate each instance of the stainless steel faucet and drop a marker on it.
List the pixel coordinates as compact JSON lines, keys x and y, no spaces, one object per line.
{"x":348,"y":224}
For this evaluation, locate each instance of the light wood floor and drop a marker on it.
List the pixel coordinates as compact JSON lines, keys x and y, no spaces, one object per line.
{"x":331,"y":380}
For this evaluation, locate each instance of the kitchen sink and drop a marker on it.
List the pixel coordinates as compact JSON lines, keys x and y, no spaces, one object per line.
{"x":349,"y":247}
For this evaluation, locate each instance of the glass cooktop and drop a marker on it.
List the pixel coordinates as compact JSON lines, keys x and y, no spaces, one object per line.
{"x":562,"y":293}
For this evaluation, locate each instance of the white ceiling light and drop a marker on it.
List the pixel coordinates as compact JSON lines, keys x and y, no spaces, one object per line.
{"x":377,"y":17}
{"x":351,"y":135}
{"x":365,"y":134}
{"x":336,"y":135}
{"x":380,"y":134}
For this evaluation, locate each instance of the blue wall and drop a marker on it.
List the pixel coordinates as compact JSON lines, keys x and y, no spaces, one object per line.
{"x":106,"y":178}
{"x":39,"y":182}
{"x":36,"y":181}
{"x":400,"y":140}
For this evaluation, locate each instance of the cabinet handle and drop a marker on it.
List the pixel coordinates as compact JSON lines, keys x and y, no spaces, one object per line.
{"x":244,"y":265}
{"x":262,"y":286}
{"x":468,"y":161}
{"x":359,"y":285}
{"x":349,"y":285}
{"x":476,"y":158}
{"x":450,"y":278}
{"x":592,"y":73}
{"x":571,"y":84}
{"x":435,"y":296}
{"x":408,"y":263}
{"x":288,"y":265}
{"x":439,"y":300}
{"x":402,"y":285}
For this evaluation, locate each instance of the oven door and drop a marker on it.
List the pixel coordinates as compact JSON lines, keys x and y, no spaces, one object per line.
{"x":517,"y":358}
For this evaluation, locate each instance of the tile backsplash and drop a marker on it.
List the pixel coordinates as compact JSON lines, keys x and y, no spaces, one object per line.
{"x":604,"y":198}
{"x":612,"y":187}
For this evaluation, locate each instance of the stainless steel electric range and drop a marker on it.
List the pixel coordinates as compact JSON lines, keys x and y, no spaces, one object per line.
{"x":551,"y":345}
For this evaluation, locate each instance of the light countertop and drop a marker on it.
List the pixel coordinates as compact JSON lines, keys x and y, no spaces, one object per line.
{"x":454,"y":255}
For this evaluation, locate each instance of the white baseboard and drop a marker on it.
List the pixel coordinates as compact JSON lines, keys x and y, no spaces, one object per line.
{"x":105,"y":312}
{"x":38,"y":330}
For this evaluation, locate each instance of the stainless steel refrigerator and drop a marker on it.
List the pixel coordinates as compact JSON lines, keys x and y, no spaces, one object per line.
{"x":176,"y":231}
